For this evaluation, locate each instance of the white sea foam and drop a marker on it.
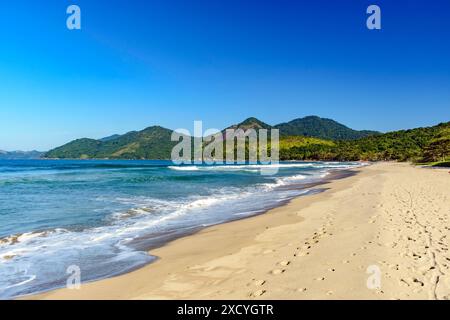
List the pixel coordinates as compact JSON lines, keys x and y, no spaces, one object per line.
{"x":30,"y":278}
{"x":255,"y":167}
{"x":184,"y":168}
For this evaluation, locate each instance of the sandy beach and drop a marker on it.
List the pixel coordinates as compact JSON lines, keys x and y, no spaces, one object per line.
{"x":389,"y":218}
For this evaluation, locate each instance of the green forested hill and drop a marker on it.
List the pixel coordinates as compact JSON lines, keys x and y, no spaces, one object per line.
{"x":431,"y":144}
{"x":421,"y":145}
{"x":154,"y":142}
{"x":151,"y":143}
{"x":313,"y":126}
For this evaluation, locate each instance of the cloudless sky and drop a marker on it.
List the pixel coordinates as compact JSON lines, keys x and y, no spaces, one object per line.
{"x":170,"y":62}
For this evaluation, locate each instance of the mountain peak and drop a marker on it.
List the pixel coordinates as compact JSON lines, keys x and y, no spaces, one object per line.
{"x":311,"y":117}
{"x":317,"y":127}
{"x":251,"y":123}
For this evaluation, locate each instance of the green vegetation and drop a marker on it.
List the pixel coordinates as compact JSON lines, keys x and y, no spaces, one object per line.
{"x":289,"y":142}
{"x":438,"y":147}
{"x":322,"y":128}
{"x":442,"y":164}
{"x":151,"y":143}
{"x":422,"y":145}
{"x":250,"y":123}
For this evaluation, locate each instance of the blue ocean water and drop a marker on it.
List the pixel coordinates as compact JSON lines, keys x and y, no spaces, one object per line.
{"x":102,"y":216}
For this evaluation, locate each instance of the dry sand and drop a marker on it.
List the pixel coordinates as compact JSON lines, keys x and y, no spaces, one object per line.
{"x":390,"y":217}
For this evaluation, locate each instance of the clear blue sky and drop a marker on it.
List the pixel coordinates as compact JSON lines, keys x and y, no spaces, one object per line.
{"x":141,"y":63}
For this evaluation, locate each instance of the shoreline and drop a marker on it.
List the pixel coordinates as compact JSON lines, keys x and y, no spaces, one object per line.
{"x":255,"y":256}
{"x":311,"y":188}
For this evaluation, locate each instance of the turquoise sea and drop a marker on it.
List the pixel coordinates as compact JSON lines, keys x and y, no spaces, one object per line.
{"x":103,"y":216}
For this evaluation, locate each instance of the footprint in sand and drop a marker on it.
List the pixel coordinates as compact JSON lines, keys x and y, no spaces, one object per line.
{"x":329,"y":293}
{"x":277,"y":271}
{"x":302,"y":290}
{"x":259,"y":282}
{"x":284,"y":263}
{"x":403,"y":282}
{"x":394,"y":267}
{"x":258,"y":293}
{"x":417,"y":282}
{"x":320,"y":279}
